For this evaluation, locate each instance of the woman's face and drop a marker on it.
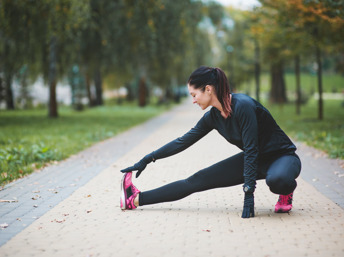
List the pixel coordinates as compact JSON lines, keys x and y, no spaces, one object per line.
{"x":203,"y":99}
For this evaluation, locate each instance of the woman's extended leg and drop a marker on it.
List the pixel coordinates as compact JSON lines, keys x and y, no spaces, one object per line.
{"x":228,"y":172}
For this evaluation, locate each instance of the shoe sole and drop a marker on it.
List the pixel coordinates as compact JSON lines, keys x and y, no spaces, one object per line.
{"x":123,"y":194}
{"x":282,"y":210}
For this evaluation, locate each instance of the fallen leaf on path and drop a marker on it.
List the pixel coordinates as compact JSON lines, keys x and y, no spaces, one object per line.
{"x":36,"y":197}
{"x":53,"y":190}
{"x":338,"y":174}
{"x":58,"y":220}
{"x":3,"y":225}
{"x":8,"y":201}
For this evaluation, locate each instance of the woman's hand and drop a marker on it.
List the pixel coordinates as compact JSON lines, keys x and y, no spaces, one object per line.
{"x":141,"y":165}
{"x":248,"y":210}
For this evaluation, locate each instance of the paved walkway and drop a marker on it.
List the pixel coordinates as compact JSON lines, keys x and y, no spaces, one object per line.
{"x":79,"y":214}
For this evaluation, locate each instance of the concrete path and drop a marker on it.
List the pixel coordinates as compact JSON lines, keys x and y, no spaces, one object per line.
{"x":86,"y":219}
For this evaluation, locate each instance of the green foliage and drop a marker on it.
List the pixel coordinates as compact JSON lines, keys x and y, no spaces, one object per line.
{"x":278,"y":33}
{"x":29,"y":140}
{"x":159,"y":41}
{"x":326,"y":135}
{"x":17,"y":159}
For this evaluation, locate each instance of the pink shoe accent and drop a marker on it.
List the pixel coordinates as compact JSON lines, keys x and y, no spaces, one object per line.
{"x":284,"y":203}
{"x":128,"y":192}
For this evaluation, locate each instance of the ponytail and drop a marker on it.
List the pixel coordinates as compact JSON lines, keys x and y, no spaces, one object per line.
{"x":222,"y":92}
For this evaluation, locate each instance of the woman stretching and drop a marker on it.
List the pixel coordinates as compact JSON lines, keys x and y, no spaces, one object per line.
{"x":267,"y":152}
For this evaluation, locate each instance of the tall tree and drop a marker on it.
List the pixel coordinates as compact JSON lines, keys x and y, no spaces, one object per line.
{"x":302,"y":22}
{"x":55,"y":25}
{"x":240,"y":47}
{"x":159,"y":35}
{"x":175,"y":27}
{"x":13,"y":44}
{"x":273,"y":43}
{"x":324,"y":22}
{"x":102,"y":44}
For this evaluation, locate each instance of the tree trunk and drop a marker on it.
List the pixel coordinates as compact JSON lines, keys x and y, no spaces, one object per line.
{"x":278,"y":92}
{"x":99,"y":89}
{"x":9,"y":91}
{"x":91,"y":101}
{"x":24,"y":89}
{"x":257,"y":69}
{"x":319,"y":73}
{"x":2,"y":90}
{"x":142,"y":91}
{"x":52,"y":79}
{"x":298,"y":86}
{"x":8,"y":77}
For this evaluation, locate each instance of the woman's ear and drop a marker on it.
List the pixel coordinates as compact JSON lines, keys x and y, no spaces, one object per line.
{"x":209,"y":89}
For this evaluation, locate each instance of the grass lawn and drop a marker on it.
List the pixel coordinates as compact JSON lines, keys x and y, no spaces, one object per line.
{"x":326,"y":135}
{"x":332,"y":83}
{"x":28,"y":139}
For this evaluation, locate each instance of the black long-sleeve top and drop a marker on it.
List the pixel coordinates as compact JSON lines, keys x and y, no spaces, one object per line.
{"x":250,"y":127}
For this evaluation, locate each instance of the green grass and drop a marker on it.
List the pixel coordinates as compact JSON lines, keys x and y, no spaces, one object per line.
{"x":29,"y":140}
{"x":332,"y":83}
{"x":326,"y":135}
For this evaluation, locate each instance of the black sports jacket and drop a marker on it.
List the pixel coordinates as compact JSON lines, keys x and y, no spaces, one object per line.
{"x":250,"y":127}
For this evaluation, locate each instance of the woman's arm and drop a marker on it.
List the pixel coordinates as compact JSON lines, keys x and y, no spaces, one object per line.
{"x":200,"y":130}
{"x":248,"y":124}
{"x":181,"y":143}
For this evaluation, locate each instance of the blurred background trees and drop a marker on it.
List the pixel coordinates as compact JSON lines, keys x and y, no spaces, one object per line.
{"x":282,"y":35}
{"x":132,"y":42}
{"x":102,"y":45}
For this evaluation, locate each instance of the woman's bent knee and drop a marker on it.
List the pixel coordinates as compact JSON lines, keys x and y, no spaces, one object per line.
{"x":282,"y":173}
{"x":281,"y":186}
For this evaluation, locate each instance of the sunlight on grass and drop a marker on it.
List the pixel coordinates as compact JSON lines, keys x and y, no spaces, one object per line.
{"x":326,"y":135}
{"x":29,"y":139}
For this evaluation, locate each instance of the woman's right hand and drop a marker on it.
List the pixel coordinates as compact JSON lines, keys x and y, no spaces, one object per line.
{"x":248,"y":210}
{"x":141,"y":165}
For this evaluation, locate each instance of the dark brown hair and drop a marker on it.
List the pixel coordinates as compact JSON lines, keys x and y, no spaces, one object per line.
{"x":215,"y":77}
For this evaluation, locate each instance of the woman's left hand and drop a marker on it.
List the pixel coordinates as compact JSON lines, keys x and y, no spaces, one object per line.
{"x":248,"y":210}
{"x":141,"y":165}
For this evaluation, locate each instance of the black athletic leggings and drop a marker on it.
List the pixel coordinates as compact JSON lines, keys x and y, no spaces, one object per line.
{"x":279,"y":172}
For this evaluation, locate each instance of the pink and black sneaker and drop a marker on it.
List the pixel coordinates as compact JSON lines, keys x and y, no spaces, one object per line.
{"x":128,"y":192}
{"x":284,"y":203}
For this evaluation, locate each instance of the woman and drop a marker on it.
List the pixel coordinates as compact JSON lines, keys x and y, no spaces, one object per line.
{"x":267,"y":152}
